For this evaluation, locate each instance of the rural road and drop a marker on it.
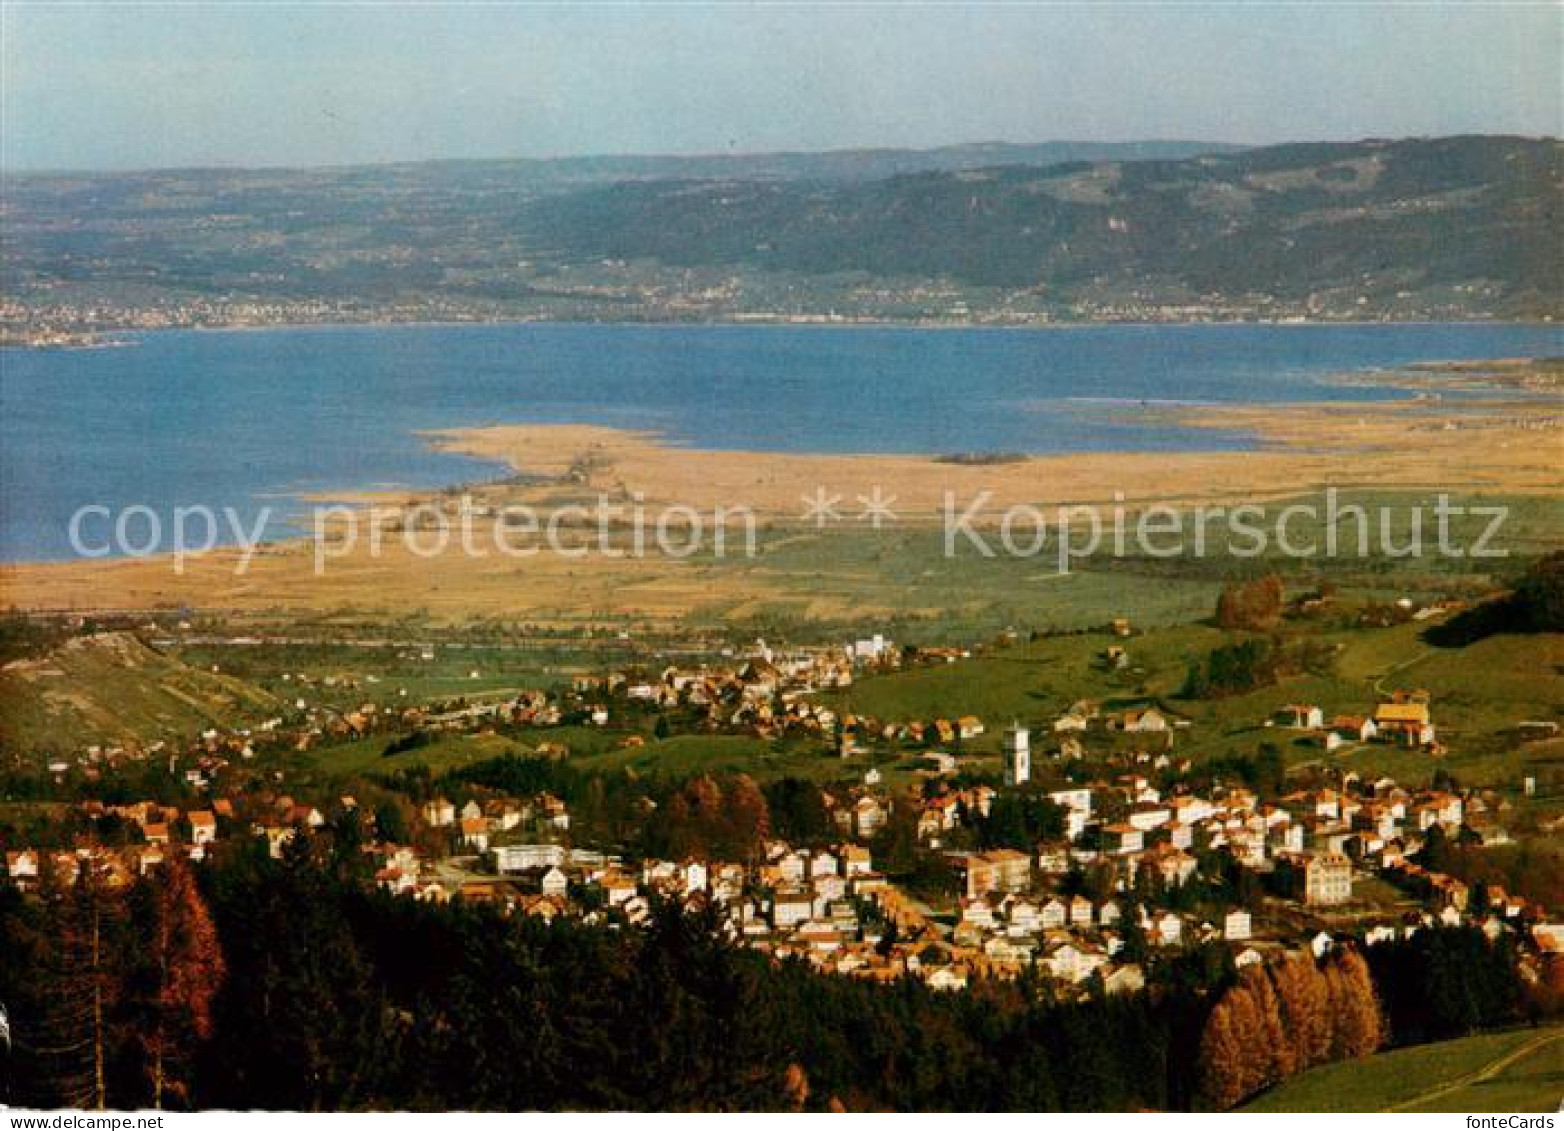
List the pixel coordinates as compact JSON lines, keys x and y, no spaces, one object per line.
{"x":1397,"y":669}
{"x":1486,"y":1072}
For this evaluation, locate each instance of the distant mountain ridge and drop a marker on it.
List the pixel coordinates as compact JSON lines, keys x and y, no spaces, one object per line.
{"x":1285,"y":221}
{"x":850,"y":164}
{"x":836,"y":164}
{"x":1442,"y":228}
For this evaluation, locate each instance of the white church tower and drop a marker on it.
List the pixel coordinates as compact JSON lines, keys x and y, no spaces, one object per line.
{"x":1018,"y":755}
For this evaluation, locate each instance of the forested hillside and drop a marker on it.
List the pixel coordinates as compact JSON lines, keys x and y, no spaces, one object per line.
{"x":1461,"y":227}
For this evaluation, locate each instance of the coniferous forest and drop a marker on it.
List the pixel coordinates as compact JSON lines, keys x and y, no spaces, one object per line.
{"x":253,"y":982}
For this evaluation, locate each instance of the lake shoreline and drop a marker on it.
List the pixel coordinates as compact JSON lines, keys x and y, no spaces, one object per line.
{"x":766,"y":323}
{"x":1165,"y":440}
{"x":1465,"y":448}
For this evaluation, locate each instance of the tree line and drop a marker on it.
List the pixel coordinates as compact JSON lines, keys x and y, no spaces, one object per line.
{"x":253,"y":982}
{"x":290,"y":984}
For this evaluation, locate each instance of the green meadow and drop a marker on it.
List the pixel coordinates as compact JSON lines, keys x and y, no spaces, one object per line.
{"x":1517,"y":1071}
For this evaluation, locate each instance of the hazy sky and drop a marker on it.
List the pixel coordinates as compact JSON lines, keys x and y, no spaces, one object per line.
{"x":139,"y":85}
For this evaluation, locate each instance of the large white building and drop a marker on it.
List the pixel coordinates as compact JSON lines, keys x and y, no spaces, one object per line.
{"x":524,"y":857}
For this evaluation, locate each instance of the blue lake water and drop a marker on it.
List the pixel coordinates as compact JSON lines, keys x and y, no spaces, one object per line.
{"x":249,"y":419}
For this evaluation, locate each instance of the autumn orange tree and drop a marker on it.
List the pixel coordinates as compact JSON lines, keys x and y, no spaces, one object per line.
{"x":1273,"y":1062}
{"x":713,"y":819}
{"x":1254,"y":605}
{"x":1227,"y":1073}
{"x":1357,"y":1026}
{"x":1275,"y":1022}
{"x":1306,"y":1018}
{"x":179,"y":971}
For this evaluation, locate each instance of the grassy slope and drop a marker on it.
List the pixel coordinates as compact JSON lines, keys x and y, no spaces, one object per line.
{"x":917,"y":591}
{"x":764,"y":760}
{"x":112,"y":688}
{"x":448,"y":752}
{"x":903,"y":580}
{"x":1407,"y":1078}
{"x":686,"y":754}
{"x":447,"y":674}
{"x":1479,"y":692}
{"x":593,"y":749}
